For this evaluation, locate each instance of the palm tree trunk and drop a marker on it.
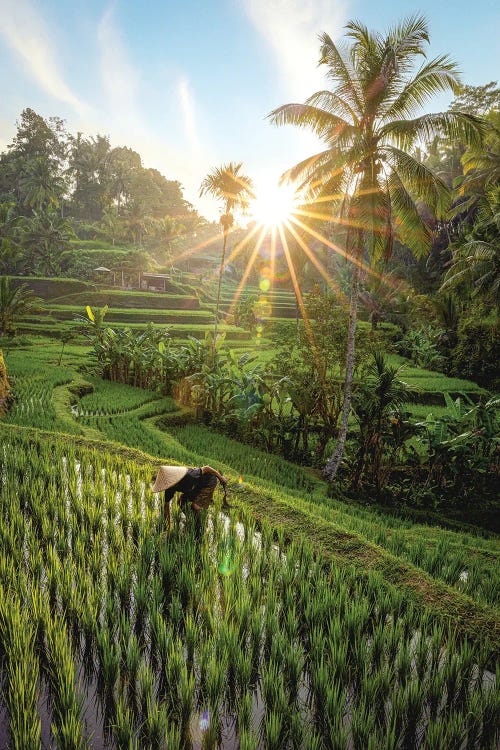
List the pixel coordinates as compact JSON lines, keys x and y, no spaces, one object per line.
{"x":219,"y":286}
{"x":333,"y":463}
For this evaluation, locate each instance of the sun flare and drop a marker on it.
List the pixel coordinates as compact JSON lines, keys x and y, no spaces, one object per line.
{"x":273,"y":205}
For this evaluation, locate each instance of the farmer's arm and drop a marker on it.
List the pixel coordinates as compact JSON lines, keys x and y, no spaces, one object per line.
{"x":210,"y":470}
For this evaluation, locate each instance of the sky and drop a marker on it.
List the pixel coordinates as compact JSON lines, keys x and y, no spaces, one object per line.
{"x":188,"y":83}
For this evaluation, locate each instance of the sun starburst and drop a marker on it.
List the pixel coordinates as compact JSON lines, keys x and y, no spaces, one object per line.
{"x":273,"y":205}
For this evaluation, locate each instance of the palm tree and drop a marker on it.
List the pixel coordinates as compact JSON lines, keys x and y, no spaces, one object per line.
{"x":47,"y":235}
{"x":367,"y":172}
{"x":41,"y":186}
{"x":14,"y":303}
{"x":234,"y":189}
{"x":167,"y":232}
{"x":476,"y":262}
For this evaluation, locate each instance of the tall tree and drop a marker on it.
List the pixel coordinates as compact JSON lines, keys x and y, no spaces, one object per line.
{"x":367,"y":171}
{"x":89,"y":167}
{"x":30,"y":170}
{"x":42,"y":187}
{"x":475,"y":261}
{"x":234,"y":190}
{"x":166,"y":233}
{"x":46,"y":236}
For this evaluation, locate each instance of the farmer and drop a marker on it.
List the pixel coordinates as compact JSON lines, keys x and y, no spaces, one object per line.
{"x":196,"y":485}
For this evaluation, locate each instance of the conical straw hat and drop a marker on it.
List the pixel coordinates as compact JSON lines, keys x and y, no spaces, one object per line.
{"x":168,"y":476}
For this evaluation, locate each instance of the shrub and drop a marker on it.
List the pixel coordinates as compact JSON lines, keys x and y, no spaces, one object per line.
{"x":421,"y":346}
{"x":476,"y":353}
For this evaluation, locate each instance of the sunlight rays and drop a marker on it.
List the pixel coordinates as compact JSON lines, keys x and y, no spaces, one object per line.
{"x":300,"y":301}
{"x":287,"y":220}
{"x":317,"y":263}
{"x":344,"y":253}
{"x":192,"y":250}
{"x":247,"y":270}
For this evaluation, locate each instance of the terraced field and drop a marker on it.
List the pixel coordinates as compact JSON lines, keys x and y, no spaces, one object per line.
{"x":186,"y":310}
{"x":59,"y":398}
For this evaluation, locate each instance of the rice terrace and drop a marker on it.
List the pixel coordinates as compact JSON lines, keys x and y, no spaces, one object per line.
{"x":249,"y":411}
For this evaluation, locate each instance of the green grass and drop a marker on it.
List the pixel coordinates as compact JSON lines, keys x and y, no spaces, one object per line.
{"x":118,"y":298}
{"x":50,"y":288}
{"x":112,"y":398}
{"x":428,"y":380}
{"x":51,"y":327}
{"x":136,"y":315}
{"x":443,"y":554}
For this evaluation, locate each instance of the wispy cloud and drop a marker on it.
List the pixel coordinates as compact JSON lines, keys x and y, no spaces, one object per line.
{"x":291,"y":28}
{"x":119,"y":76}
{"x":188,"y":110}
{"x":26,"y":33}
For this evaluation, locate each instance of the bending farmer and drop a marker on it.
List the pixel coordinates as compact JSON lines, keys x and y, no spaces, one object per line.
{"x":196,"y":485}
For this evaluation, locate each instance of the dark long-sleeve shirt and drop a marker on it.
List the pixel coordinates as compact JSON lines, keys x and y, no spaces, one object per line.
{"x":191,"y":484}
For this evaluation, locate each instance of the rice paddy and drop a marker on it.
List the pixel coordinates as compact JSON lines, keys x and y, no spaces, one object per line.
{"x":117,"y":634}
{"x":127,"y":415}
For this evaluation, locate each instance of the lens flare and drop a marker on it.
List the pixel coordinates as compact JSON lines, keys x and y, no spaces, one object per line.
{"x":226,"y":556}
{"x":263,"y":308}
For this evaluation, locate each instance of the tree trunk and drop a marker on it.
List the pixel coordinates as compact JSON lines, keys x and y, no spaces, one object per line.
{"x":219,"y":286}
{"x":333,"y":463}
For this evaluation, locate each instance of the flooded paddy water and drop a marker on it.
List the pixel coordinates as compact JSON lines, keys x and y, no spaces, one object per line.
{"x":129,"y":636}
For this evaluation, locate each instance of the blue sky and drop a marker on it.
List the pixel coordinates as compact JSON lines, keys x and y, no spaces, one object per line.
{"x":188,"y":83}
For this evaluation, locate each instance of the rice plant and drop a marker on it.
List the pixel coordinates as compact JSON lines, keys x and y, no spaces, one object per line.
{"x":281,"y":648}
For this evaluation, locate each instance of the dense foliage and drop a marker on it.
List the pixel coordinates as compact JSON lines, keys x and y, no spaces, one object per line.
{"x":55,"y":187}
{"x":291,"y":405}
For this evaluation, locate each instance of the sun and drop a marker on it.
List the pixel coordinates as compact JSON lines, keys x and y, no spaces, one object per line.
{"x":273,"y":205}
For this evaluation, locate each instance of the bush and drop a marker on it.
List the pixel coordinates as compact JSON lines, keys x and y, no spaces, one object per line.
{"x":421,"y":346}
{"x":476,"y":353}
